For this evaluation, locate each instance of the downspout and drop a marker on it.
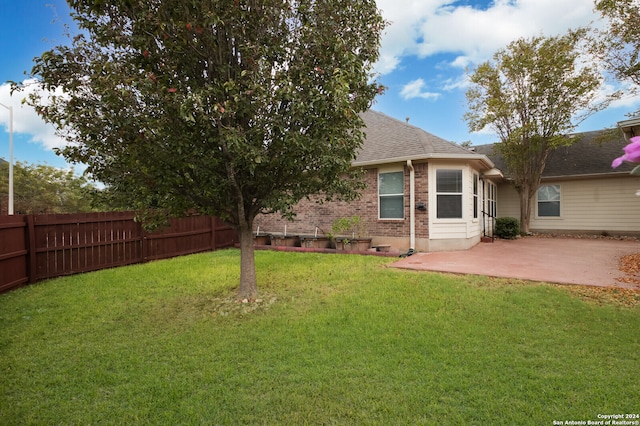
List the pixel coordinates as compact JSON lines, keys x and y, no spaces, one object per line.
{"x":484,"y":206}
{"x":412,"y":202}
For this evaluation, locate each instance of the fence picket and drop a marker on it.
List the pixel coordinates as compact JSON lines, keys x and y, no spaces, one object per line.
{"x":37,"y":247}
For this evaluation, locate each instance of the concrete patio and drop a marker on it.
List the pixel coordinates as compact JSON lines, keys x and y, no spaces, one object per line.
{"x":587,"y":261}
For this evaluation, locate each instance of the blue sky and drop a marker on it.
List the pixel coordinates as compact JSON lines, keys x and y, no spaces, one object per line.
{"x":424,"y":54}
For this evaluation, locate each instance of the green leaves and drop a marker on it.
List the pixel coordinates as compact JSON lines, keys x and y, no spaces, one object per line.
{"x":229,"y":108}
{"x":199,"y":105}
{"x":618,"y":44}
{"x":534,"y":87}
{"x":46,"y":189}
{"x":533,"y":93}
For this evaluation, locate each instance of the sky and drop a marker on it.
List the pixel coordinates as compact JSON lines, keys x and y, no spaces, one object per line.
{"x":425,"y":55}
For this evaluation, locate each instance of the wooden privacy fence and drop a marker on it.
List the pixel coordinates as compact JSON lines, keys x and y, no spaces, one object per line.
{"x":36,"y":247}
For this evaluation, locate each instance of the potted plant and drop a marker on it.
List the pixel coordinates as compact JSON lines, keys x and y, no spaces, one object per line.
{"x":316,"y":241}
{"x":348,"y":233}
{"x":261,"y":239}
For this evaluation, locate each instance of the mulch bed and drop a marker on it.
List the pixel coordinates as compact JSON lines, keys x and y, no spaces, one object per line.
{"x":630,"y":265}
{"x":589,"y":236}
{"x":606,"y":295}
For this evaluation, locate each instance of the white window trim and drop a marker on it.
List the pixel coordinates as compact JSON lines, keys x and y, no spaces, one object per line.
{"x":492,"y":202}
{"x":537,"y":216}
{"x":383,"y":170}
{"x":475,"y":196}
{"x":434,"y":179}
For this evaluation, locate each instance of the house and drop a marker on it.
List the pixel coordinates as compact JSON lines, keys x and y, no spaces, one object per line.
{"x":580,"y":192}
{"x":422,"y":192}
{"x":429,"y":194}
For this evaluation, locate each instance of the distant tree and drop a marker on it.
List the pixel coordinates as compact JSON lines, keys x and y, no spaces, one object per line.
{"x":41,"y":188}
{"x":532,"y":95}
{"x":618,"y":45}
{"x":230,"y":108}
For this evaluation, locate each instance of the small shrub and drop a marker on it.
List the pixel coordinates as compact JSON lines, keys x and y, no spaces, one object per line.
{"x":507,"y":227}
{"x":353,"y":225}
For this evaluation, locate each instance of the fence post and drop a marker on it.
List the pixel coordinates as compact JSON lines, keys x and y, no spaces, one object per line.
{"x":32,"y":260}
{"x":214,"y":244}
{"x":144,"y":241}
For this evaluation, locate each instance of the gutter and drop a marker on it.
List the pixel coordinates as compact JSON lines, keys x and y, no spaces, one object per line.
{"x":434,"y":156}
{"x":580,"y":177}
{"x":412,"y":203}
{"x":629,"y":123}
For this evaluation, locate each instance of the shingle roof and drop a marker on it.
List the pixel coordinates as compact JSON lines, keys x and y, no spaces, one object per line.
{"x":592,"y":154}
{"x":388,"y":139}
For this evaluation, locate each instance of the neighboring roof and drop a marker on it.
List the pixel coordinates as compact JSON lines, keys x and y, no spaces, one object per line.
{"x":591,"y":154}
{"x":2,"y":161}
{"x":389,"y":140}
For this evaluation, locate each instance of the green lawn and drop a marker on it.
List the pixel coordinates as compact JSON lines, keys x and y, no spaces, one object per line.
{"x":334,"y":340}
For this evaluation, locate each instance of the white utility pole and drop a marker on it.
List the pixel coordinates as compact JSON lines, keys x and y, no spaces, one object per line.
{"x":10,"y":108}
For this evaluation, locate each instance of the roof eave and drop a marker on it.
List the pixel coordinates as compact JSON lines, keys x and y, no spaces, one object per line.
{"x":579,"y":177}
{"x":483,"y":159}
{"x":629,"y":123}
{"x":493,"y":174}
{"x":630,"y":128}
{"x":586,"y":176}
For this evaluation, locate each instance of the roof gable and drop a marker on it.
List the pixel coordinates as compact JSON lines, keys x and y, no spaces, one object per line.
{"x":591,"y":154}
{"x":388,"y":139}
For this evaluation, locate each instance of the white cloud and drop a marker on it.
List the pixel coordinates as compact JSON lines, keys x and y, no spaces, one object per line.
{"x":414,"y":89}
{"x":428,"y":27}
{"x":461,"y":82}
{"x":25,"y":119}
{"x":399,"y":38}
{"x":629,"y":101}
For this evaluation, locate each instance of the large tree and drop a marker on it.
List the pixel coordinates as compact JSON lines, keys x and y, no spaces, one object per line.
{"x":40,"y":188}
{"x":619,"y":42}
{"x":224,"y":107}
{"x":532,"y":95}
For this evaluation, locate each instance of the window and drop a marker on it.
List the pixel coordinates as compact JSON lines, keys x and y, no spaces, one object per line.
{"x":549,"y":201}
{"x":391,"y":195}
{"x":491,"y":199}
{"x":475,"y":196}
{"x":490,"y":189}
{"x":449,"y":194}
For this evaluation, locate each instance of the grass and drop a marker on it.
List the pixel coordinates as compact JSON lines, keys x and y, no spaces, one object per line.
{"x":334,"y":340}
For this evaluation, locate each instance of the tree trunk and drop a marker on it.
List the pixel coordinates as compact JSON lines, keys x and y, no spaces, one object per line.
{"x":248,"y":285}
{"x":525,"y":209}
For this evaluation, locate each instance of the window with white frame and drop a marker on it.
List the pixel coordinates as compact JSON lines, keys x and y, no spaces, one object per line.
{"x":475,"y":195}
{"x":391,"y":195}
{"x":549,"y":201}
{"x":491,"y":193}
{"x":449,"y":194}
{"x":491,"y":199}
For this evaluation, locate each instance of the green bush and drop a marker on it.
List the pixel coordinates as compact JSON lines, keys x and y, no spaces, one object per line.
{"x":507,"y":227}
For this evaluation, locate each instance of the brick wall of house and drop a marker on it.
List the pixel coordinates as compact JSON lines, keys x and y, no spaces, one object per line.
{"x":422,"y":196}
{"x":310,"y":214}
